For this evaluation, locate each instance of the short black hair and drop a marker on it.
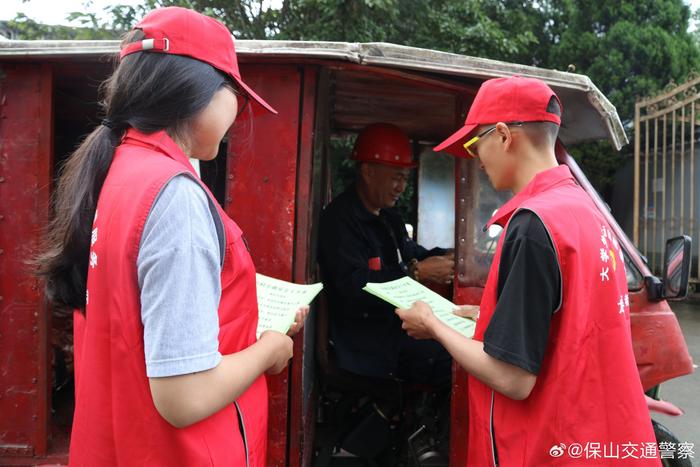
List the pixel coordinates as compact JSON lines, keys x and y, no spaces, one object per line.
{"x":544,"y":134}
{"x":554,"y":107}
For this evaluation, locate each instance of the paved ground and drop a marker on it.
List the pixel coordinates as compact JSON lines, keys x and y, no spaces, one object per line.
{"x":685,"y":391}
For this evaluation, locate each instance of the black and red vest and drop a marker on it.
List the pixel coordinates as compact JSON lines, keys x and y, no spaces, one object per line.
{"x":588,"y":400}
{"x":116,"y":422}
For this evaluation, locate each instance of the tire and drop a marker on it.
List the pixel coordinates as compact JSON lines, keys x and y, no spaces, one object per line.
{"x":664,"y":435}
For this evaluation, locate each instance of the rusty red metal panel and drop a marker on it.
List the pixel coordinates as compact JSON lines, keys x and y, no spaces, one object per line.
{"x":44,"y":169}
{"x":261,"y":196}
{"x":300,"y":432}
{"x":463,"y":294}
{"x":659,"y":346}
{"x":25,"y":175}
{"x":459,"y":412}
{"x":459,"y":417}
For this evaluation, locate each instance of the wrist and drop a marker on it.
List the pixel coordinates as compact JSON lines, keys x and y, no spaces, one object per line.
{"x":434,"y":325}
{"x":267,"y":350}
{"x":436,"y":328}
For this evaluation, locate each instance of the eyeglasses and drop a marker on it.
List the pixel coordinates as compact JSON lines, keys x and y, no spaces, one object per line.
{"x":469,"y":145}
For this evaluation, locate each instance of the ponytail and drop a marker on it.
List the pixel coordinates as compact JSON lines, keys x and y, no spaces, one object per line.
{"x":64,"y":262}
{"x":149,"y":92}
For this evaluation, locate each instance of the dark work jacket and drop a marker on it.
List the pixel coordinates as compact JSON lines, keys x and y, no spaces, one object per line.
{"x":356,"y":247}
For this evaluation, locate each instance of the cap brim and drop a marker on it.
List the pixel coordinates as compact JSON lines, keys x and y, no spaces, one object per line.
{"x":452,"y":144}
{"x":255,"y":97}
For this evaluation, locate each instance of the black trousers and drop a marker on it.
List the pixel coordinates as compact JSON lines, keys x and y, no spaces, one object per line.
{"x":424,"y":361}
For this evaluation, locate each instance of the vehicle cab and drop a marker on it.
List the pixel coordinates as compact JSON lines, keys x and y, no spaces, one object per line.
{"x":274,"y":175}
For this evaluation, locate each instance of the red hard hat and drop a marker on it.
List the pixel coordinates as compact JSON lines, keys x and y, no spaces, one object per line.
{"x":383,"y":143}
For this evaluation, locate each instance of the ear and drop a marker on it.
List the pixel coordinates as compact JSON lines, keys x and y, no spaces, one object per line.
{"x":366,"y":172}
{"x":504,"y":135}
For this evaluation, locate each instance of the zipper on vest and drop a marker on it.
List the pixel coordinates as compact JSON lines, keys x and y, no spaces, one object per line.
{"x":241,"y":425}
{"x":492,"y":434}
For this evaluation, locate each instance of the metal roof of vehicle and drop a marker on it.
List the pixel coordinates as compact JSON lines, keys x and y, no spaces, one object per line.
{"x":588,"y":114}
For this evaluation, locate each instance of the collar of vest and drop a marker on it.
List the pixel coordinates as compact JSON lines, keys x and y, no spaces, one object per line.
{"x":543,"y":181}
{"x":160,"y":142}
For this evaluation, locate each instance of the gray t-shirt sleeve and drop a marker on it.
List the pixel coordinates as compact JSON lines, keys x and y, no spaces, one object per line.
{"x":179,"y":276}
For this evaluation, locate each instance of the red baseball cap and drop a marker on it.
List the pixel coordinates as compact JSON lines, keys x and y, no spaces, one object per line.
{"x":181,"y":31}
{"x":513,"y":99}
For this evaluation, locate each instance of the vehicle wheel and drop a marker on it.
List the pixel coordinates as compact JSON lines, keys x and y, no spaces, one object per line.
{"x":664,"y":435}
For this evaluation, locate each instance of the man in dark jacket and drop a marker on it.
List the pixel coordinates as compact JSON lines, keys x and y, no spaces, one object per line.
{"x":363,"y":239}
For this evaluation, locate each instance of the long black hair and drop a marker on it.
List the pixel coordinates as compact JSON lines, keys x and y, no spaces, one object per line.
{"x":147,"y":91}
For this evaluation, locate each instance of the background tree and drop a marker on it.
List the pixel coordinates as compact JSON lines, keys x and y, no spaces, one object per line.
{"x":629,"y":49}
{"x":22,"y":27}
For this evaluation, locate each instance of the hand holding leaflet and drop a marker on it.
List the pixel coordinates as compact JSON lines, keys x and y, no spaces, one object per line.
{"x":404,"y":292}
{"x":278,"y":302}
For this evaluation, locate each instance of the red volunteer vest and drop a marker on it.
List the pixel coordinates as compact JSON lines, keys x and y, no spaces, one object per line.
{"x":587,"y":406}
{"x":115,"y":420}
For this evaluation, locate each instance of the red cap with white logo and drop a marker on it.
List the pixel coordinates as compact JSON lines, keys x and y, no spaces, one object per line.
{"x":181,"y":31}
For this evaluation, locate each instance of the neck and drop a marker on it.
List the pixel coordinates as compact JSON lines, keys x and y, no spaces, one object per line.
{"x":181,"y":142}
{"x":530,"y":164}
{"x":366,"y":202}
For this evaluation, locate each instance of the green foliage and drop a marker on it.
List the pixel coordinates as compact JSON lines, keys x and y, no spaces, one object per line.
{"x":122,"y":18}
{"x":629,"y":49}
{"x":599,"y":161}
{"x":486,"y":28}
{"x":502,"y":30}
{"x":245,"y":18}
{"x":342,"y":168}
{"x":24,"y":28}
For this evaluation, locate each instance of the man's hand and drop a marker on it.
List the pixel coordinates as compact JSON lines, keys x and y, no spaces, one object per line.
{"x":439,"y":269}
{"x":419,"y":321}
{"x":468,"y":311}
{"x":299,"y":320}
